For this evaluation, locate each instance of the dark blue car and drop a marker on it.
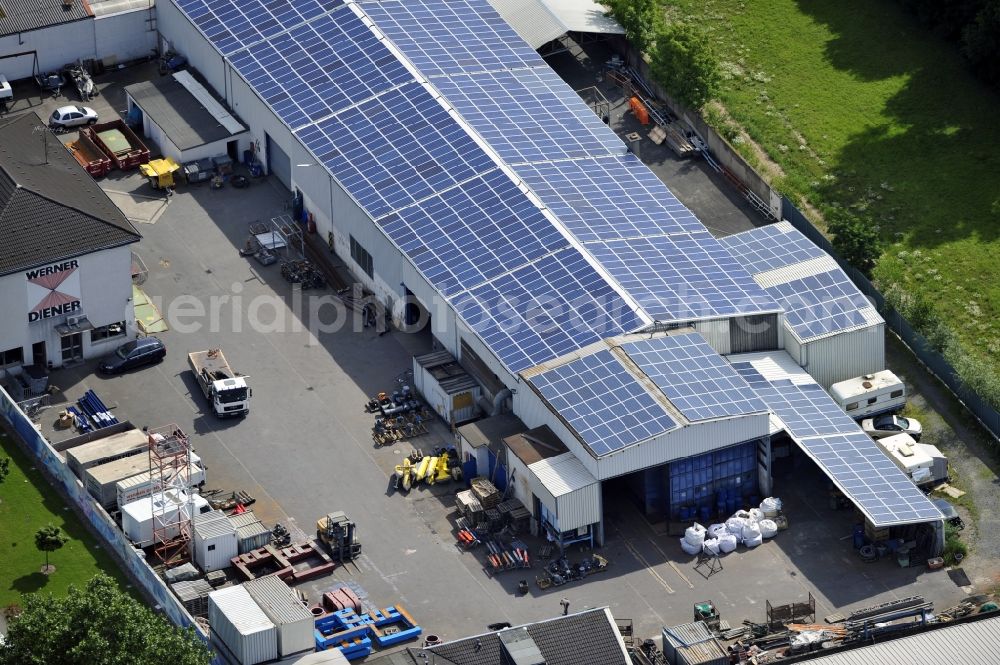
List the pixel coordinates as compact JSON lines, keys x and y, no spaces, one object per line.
{"x":143,"y":351}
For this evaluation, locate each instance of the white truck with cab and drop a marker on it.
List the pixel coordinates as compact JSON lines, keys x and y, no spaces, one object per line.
{"x":226,"y":390}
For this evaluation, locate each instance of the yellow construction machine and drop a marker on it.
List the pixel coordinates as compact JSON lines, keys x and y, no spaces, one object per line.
{"x":160,"y":172}
{"x":339,"y":535}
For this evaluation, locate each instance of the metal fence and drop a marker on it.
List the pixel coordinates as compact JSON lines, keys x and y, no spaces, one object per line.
{"x":131,"y":558}
{"x":922,"y":349}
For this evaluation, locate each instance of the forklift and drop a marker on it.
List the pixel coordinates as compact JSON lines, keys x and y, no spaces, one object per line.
{"x":339,"y":535}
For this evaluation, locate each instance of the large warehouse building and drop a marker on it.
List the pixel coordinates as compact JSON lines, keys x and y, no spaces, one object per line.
{"x":445,"y":161}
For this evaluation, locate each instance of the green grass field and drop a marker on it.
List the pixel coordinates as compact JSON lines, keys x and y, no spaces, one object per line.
{"x":860,"y":107}
{"x":28,"y":502}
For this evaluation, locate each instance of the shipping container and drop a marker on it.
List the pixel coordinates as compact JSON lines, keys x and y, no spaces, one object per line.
{"x":251,"y":533}
{"x":139,"y":486}
{"x":214,"y":541}
{"x":447,"y":387}
{"x":238,"y":623}
{"x":138,"y":517}
{"x":108,"y":449}
{"x":102,"y":480}
{"x":295,"y":623}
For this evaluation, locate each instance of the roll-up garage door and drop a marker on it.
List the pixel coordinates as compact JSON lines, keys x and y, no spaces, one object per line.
{"x":278,"y":162}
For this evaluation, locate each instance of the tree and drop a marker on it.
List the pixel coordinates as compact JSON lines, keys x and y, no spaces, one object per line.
{"x":96,"y":625}
{"x":855,"y":239}
{"x":49,"y":539}
{"x":4,"y":468}
{"x":641,"y":20}
{"x":683,"y":64}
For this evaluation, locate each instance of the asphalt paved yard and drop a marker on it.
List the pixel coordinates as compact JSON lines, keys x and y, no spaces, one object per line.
{"x":305,"y":449}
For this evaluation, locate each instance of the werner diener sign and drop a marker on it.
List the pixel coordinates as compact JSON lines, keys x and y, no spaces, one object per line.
{"x":53,"y":290}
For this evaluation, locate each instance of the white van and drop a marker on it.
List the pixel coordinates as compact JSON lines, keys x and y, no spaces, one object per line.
{"x":869,"y":395}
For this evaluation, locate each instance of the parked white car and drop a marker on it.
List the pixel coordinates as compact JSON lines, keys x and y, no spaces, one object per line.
{"x":72,"y":116}
{"x":880,"y":427}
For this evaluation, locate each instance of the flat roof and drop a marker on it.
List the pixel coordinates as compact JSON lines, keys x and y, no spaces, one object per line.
{"x":185,"y":119}
{"x":535,"y":445}
{"x":492,"y":431}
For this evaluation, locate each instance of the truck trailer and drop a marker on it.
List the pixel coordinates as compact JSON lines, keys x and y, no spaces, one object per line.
{"x":226,"y":390}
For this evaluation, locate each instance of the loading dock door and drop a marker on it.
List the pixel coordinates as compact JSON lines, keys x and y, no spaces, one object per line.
{"x":278,"y":162}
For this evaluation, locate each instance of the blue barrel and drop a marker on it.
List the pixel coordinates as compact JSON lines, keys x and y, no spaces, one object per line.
{"x":732,"y":504}
{"x":685,"y":513}
{"x":859,"y":536}
{"x":754,"y":501}
{"x":706,"y":513}
{"x":720,"y":507}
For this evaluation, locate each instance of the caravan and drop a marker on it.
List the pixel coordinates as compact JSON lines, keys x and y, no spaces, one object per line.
{"x":870,"y":395}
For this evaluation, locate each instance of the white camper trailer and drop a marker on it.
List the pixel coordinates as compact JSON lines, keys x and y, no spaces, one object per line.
{"x":869,"y":395}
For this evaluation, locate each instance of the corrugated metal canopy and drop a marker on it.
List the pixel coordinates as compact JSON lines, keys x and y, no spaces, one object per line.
{"x":540,"y":21}
{"x":562,"y":474}
{"x":848,"y":456}
{"x":975,"y":642}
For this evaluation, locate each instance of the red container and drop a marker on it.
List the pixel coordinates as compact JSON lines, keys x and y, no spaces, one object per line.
{"x":128,"y":158}
{"x":90,"y":157}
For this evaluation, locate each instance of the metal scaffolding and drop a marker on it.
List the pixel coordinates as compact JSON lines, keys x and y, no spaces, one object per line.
{"x":170,"y":474}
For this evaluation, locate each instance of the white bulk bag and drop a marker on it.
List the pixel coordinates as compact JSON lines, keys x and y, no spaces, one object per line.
{"x":771,"y":506}
{"x":727,"y":543}
{"x":753,"y":542}
{"x":695,"y":535}
{"x":756,"y":514}
{"x":767,"y":528}
{"x":750,"y":531}
{"x":689,"y":548}
{"x":711,"y":546}
{"x":716,"y":530}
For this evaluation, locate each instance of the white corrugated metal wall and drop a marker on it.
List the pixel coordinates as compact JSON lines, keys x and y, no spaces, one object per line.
{"x":844,"y":356}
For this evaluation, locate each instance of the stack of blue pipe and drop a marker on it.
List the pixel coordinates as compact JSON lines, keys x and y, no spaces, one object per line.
{"x":95,"y":409}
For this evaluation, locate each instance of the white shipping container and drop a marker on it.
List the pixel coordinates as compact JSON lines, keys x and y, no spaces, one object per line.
{"x":294,"y":622}
{"x":137,"y":517}
{"x":214,"y":541}
{"x":139,"y":486}
{"x":239,"y":624}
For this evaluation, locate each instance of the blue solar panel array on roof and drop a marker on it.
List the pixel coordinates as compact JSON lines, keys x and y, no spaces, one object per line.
{"x":473,"y":232}
{"x":528,"y":115}
{"x":848,"y":455}
{"x":316,"y":69}
{"x":544,"y":310}
{"x":604,"y":198}
{"x":335,"y":76}
{"x":682,"y":277}
{"x":821,"y":304}
{"x":231,"y":26}
{"x":694,"y":377}
{"x":443,"y":37}
{"x":603,"y":402}
{"x":395,"y":149}
{"x":772,"y":246}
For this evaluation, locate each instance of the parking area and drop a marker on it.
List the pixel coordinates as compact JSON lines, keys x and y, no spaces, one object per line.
{"x":305,"y":449}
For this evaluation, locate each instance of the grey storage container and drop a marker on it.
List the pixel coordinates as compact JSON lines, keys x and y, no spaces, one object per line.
{"x":294,"y":622}
{"x":251,"y":534}
{"x":193,"y":595}
{"x":692,"y":644}
{"x":241,"y":627}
